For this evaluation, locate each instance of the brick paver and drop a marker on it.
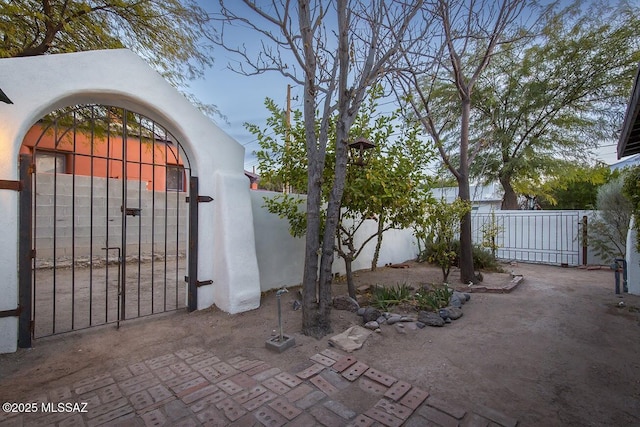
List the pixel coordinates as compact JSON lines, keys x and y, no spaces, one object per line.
{"x":193,"y":387}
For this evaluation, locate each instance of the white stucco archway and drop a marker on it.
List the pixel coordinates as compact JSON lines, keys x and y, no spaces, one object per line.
{"x":39,"y":85}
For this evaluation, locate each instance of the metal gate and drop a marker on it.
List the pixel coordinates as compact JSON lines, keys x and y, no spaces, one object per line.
{"x":109,"y":222}
{"x":546,"y":237}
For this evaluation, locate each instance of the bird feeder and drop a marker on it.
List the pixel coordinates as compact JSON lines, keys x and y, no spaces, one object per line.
{"x":358,"y":150}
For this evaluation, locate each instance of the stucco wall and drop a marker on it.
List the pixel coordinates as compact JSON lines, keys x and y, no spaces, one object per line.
{"x":633,"y":261}
{"x":39,"y":85}
{"x":281,"y":256}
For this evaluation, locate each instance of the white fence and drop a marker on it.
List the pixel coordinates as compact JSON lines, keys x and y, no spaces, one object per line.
{"x":548,"y":237}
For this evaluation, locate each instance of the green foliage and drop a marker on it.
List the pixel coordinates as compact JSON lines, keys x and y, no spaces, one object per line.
{"x":482,"y":258}
{"x":437,"y":230}
{"x":490,"y":232}
{"x":169,"y":34}
{"x":289,"y":206}
{"x":386,"y":297}
{"x":433,"y":299}
{"x":608,"y":228}
{"x":572,"y":187}
{"x":392,"y":188}
{"x":544,"y":102}
{"x":383,"y":297}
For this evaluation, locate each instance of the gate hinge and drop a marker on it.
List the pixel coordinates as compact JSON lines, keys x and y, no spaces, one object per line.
{"x":201,"y":199}
{"x":203,"y":283}
{"x":11,"y":313}
{"x":6,"y":184}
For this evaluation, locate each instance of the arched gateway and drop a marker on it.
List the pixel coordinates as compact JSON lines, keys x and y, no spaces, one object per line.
{"x":131,"y":167}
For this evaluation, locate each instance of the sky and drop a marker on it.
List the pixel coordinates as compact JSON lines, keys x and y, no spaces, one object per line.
{"x":241,"y":98}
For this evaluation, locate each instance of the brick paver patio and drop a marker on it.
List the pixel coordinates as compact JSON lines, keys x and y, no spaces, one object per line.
{"x":194,"y":387}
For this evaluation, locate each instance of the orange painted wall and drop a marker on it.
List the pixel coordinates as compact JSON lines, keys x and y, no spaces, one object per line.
{"x":145,"y":160}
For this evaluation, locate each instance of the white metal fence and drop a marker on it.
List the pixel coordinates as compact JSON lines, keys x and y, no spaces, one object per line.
{"x":547,"y":237}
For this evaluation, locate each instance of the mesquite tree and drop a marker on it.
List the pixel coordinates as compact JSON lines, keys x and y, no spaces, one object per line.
{"x":335,"y":50}
{"x":168,"y":34}
{"x":464,"y":38}
{"x":556,"y":96}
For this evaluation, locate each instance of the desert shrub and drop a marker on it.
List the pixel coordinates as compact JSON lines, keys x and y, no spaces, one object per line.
{"x":433,"y":299}
{"x":386,"y":297}
{"x":608,"y":227}
{"x":383,"y":297}
{"x":436,"y":231}
{"x":482,"y":258}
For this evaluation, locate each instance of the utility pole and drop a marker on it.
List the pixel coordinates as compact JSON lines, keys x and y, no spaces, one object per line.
{"x":287,"y":136}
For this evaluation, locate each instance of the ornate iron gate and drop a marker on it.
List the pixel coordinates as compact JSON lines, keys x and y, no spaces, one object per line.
{"x":110,"y":220}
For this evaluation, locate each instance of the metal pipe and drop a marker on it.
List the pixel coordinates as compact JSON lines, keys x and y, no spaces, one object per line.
{"x":278,"y":293}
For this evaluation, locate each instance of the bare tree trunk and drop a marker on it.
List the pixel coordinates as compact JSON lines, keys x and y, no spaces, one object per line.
{"x":467,"y":272}
{"x":510,"y":198}
{"x":323,"y":320}
{"x":311,"y":315}
{"x":376,"y":253}
{"x":351,"y":287}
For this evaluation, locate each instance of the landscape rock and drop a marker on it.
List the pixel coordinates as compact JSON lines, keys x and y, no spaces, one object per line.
{"x":363,"y":289}
{"x":454,"y":313}
{"x":461,"y":296}
{"x":430,"y":319}
{"x":350,"y":340}
{"x":370,"y":314}
{"x":381,"y":320}
{"x":444,"y":313}
{"x":361,"y":310}
{"x":394,"y":319}
{"x":373,"y":325}
{"x":345,"y":302}
{"x":420,"y":325}
{"x":455,"y":301}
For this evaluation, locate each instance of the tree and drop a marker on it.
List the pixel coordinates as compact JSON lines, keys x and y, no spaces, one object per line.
{"x":336,"y":51}
{"x":451,"y":62}
{"x":436,"y":230}
{"x":168,"y":34}
{"x":555,"y":96}
{"x":575,"y":188}
{"x":391,"y":189}
{"x":609,"y":225}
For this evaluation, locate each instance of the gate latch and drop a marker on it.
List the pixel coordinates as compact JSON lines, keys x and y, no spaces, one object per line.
{"x":201,"y":199}
{"x":198,"y":282}
{"x":131,"y":211}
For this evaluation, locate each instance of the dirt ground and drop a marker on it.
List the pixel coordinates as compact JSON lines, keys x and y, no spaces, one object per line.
{"x":557,"y":350}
